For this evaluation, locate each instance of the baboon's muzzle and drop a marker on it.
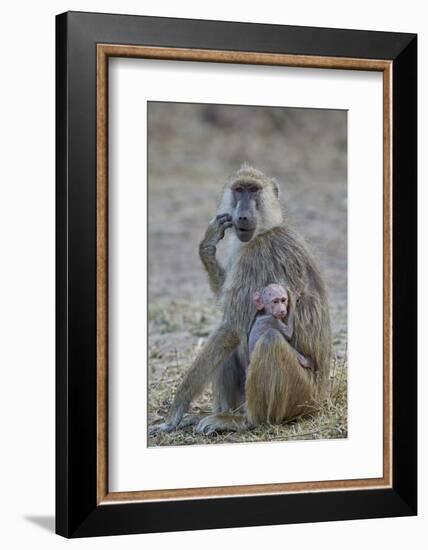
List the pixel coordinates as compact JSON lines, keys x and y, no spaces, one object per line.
{"x":244,"y":218}
{"x":244,"y":234}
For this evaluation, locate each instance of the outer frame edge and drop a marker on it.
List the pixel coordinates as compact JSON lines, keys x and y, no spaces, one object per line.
{"x":405,"y":274}
{"x":201,"y":515}
{"x":61,"y":266}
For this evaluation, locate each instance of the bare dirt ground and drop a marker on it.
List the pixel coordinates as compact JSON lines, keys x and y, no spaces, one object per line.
{"x":193,"y":149}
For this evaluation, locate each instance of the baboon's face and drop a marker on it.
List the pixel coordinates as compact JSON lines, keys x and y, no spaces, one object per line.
{"x":245,"y":209}
{"x":276,"y":303}
{"x":272,"y":300}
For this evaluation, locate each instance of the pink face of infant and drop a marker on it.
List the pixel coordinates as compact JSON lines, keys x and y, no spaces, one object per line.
{"x":273,"y":299}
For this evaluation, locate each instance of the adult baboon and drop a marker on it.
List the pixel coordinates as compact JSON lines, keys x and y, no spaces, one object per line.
{"x":264,"y":249}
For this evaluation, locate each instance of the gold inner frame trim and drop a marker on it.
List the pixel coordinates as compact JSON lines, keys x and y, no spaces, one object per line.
{"x":104,"y":51}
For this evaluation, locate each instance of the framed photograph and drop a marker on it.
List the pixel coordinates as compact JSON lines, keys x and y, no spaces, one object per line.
{"x":236,"y":274}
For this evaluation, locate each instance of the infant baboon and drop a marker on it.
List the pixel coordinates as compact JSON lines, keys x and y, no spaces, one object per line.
{"x":264,"y":248}
{"x":274,"y":362}
{"x":276,"y":312}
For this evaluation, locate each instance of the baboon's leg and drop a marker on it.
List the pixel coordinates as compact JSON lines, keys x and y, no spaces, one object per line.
{"x":277,"y":387}
{"x":218,"y":349}
{"x":228,"y":385}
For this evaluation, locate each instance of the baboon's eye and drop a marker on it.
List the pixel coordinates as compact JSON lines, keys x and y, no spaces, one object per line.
{"x":283,"y":300}
{"x":239,"y":189}
{"x":253,"y":189}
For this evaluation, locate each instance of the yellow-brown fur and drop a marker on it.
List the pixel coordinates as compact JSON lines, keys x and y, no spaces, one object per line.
{"x":277,"y":387}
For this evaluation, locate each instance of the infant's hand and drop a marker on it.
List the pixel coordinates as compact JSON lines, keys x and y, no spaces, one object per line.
{"x":305,"y":362}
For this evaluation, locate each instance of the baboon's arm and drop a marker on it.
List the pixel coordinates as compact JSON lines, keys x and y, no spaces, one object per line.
{"x":219,"y":347}
{"x":216,"y":273}
{"x":287,"y":328}
{"x":208,"y":247}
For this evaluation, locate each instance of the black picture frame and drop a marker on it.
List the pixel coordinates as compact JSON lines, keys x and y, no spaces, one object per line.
{"x":77,"y":511}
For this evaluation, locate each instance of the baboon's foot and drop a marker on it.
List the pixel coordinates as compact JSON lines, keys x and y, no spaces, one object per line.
{"x":222,"y":422}
{"x":167,"y":427}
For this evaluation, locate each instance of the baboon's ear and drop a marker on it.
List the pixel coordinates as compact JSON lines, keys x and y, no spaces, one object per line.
{"x":275,"y":187}
{"x":258,"y":301}
{"x":294,"y":297}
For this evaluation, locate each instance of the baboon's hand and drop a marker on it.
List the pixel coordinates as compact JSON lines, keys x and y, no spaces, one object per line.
{"x":208,"y":425}
{"x":305,"y":362}
{"x":216,"y":230}
{"x":222,"y":422}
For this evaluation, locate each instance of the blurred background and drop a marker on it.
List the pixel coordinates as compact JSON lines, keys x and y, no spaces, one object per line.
{"x":193,"y":149}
